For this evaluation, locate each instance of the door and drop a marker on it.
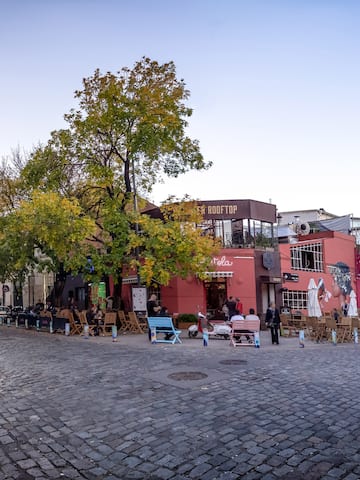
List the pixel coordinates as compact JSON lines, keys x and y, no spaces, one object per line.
{"x":215,"y":297}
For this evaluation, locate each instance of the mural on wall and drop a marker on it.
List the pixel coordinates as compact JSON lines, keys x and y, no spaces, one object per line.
{"x":342,"y":288}
{"x":324,"y":294}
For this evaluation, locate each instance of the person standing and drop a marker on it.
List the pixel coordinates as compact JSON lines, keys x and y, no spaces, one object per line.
{"x":239,"y":305}
{"x":272,"y":320}
{"x":231,"y":305}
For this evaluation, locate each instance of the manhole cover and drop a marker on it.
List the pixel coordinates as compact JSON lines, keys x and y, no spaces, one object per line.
{"x":233,"y":362}
{"x":187,"y":376}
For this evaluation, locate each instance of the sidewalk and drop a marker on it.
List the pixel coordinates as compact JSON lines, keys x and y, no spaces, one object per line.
{"x":75,"y":408}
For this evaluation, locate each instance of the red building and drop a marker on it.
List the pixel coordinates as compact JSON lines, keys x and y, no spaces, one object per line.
{"x":247,"y":267}
{"x":254,"y":267}
{"x":329,"y":258}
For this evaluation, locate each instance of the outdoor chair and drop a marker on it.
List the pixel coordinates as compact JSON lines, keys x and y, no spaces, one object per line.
{"x":134,"y":323}
{"x":75,"y":328}
{"x":109,"y":321}
{"x":345,"y":330}
{"x":331,"y":326}
{"x":92,"y":329}
{"x":287,"y":330}
{"x":320,"y":330}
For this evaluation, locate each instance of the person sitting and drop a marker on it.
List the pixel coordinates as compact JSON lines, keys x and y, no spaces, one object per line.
{"x":237,"y":316}
{"x":164,"y":312}
{"x":336,"y":315}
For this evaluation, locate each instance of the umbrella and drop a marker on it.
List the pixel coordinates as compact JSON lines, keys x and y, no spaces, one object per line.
{"x":353,"y":311}
{"x":314,"y":309}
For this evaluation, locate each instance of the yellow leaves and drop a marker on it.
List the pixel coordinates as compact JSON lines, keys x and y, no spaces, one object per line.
{"x":55,"y":223}
{"x":173,"y":246}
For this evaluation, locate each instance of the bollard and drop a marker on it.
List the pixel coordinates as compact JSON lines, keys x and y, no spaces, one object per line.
{"x":114,"y":333}
{"x":51,"y":328}
{"x":205,"y":337}
{"x":257,"y":339}
{"x":16,"y":322}
{"x":67,"y":329}
{"x":37,"y":324}
{"x":26,"y":323}
{"x":333,"y":337}
{"x":356,"y":335}
{"x":301,"y":338}
{"x":86,"y":331}
{"x":8,"y":321}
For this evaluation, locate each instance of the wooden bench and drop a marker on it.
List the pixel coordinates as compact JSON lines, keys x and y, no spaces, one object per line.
{"x":243,"y":332}
{"x":163,"y":326}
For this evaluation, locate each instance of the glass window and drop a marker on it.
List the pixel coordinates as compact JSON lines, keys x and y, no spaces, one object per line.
{"x":307,"y":257}
{"x":295,"y":299}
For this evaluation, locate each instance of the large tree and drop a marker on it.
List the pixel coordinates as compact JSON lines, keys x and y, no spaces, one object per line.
{"x":128,"y":132}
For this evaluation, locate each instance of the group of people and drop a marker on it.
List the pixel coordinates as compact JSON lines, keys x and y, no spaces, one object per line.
{"x":233,"y":310}
{"x":231,"y":307}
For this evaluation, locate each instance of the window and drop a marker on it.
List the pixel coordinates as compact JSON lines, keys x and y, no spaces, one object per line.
{"x":295,"y":299}
{"x":307,"y":257}
{"x":240,"y":232}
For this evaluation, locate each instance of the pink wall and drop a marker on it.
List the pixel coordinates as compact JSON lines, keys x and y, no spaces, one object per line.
{"x":337,"y":247}
{"x":243,"y":282}
{"x":184,"y":296}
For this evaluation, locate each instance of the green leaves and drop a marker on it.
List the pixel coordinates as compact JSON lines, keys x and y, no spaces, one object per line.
{"x":174,"y":245}
{"x":77,"y":190}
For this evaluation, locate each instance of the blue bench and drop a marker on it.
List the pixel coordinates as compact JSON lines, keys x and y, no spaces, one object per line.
{"x":163,"y":326}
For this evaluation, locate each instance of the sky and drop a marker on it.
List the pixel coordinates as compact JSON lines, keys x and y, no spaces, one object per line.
{"x":275,"y":87}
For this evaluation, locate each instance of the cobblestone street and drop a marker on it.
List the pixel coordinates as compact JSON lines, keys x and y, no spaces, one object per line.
{"x":73,"y":408}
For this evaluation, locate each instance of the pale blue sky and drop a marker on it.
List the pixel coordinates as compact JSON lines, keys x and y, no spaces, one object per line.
{"x":274,"y":86}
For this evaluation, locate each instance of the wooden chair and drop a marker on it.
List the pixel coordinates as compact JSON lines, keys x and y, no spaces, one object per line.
{"x":92,"y":329}
{"x":287,"y":330}
{"x":345,"y":330}
{"x":125,"y":325}
{"x":110,"y":320}
{"x":355,"y":323}
{"x":310,"y":327}
{"x":75,"y":328}
{"x":330,"y":326}
{"x":134,"y":323}
{"x":320,"y":330}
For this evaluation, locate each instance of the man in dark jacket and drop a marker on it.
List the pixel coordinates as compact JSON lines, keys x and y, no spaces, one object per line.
{"x":272,"y":320}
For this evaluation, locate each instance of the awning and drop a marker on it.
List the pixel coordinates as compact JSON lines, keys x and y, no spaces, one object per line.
{"x":219,"y":274}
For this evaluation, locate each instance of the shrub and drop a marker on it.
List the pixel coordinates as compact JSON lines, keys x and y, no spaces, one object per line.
{"x":187,"y":318}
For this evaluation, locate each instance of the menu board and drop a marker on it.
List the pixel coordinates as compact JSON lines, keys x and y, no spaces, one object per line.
{"x":139,"y":299}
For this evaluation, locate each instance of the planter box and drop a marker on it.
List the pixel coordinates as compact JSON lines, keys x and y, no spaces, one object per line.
{"x":185,"y":325}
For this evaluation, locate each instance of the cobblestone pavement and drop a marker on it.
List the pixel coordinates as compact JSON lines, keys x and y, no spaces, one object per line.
{"x":73,"y":408}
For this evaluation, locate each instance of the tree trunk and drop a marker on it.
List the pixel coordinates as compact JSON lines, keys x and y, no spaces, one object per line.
{"x":118,"y":303}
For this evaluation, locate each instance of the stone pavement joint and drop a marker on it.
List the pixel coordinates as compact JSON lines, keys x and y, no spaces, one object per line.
{"x":96,"y":409}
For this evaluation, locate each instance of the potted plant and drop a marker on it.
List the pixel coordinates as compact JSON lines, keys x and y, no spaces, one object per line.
{"x":184,"y":320}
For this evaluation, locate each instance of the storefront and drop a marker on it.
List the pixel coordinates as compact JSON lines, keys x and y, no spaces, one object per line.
{"x":247,"y":267}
